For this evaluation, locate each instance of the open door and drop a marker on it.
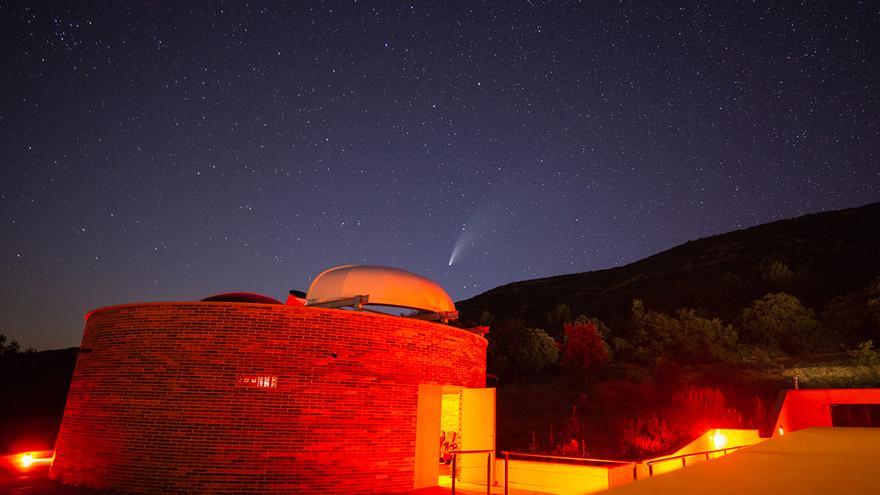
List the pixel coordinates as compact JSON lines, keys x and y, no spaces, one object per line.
{"x":427,"y":436}
{"x":477,"y":433}
{"x":466,"y":415}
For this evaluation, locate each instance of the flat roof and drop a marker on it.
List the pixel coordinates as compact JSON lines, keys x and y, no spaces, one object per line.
{"x":816,"y":460}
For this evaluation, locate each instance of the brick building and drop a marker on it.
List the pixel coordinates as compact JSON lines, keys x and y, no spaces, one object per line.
{"x":240,"y":397}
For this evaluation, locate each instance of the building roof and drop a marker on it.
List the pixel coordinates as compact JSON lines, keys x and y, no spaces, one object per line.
{"x":383,"y":285}
{"x":842,"y":461}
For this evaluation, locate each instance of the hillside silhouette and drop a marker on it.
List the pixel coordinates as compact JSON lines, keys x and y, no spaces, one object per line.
{"x":815,"y":257}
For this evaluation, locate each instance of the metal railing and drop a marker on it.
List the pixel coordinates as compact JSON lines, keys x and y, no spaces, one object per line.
{"x":588,"y":460}
{"x":684,"y":457}
{"x":488,"y":452}
{"x":507,"y":455}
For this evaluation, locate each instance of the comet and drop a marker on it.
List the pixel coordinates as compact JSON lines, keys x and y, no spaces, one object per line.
{"x":492,"y":212}
{"x":472,"y":232}
{"x":464,"y":239}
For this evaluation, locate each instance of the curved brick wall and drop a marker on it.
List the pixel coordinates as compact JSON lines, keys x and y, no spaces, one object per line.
{"x":166,"y":397}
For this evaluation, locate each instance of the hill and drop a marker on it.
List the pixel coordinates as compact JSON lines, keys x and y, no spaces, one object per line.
{"x":815,"y":257}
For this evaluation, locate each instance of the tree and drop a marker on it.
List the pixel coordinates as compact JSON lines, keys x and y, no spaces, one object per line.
{"x":856,"y":316}
{"x":865,"y":354}
{"x":703,"y":339}
{"x":557,"y":318}
{"x":603,"y":329}
{"x":780,"y":276}
{"x":517,"y":351}
{"x":8,"y":349}
{"x":685,"y":337}
{"x":486,"y":317}
{"x":585,"y":352}
{"x":779,"y":322}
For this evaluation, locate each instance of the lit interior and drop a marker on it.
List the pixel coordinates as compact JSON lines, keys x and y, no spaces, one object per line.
{"x":450,"y":432}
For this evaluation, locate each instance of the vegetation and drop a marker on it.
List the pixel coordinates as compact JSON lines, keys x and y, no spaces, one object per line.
{"x":778,"y":322}
{"x":855,"y":317}
{"x":557,"y":318}
{"x":518,"y":352}
{"x":865,"y":354}
{"x":815,"y":258}
{"x":585,"y":353}
{"x":661,"y":379}
{"x":703,"y":333}
{"x":684,"y":337}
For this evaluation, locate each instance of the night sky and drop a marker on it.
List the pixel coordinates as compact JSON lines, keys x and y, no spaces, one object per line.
{"x":155,"y":152}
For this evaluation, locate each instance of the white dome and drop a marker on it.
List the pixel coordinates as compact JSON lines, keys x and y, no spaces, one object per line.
{"x":384,"y":286}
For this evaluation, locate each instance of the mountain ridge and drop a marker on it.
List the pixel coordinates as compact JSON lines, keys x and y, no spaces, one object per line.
{"x":816,"y":257}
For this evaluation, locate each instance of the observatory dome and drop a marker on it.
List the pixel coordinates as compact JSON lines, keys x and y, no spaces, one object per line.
{"x":382,"y":285}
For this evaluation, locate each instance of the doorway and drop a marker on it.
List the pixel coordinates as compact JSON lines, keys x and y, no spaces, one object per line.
{"x":450,"y":419}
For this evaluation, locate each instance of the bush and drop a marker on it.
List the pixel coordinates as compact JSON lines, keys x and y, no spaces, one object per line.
{"x":855,"y":316}
{"x":648,"y":435}
{"x":778,"y":322}
{"x":696,"y":409}
{"x":865,"y":354}
{"x":685,"y":337}
{"x":585,"y":352}
{"x":780,"y":276}
{"x":557,"y":318}
{"x":517,"y":351}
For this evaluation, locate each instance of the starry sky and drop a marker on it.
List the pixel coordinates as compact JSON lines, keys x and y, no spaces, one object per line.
{"x":152,"y":151}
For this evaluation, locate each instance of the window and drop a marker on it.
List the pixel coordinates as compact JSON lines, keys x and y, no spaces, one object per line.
{"x":859,"y":415}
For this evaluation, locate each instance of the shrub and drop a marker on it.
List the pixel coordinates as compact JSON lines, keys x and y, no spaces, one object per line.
{"x":648,"y":435}
{"x":865,"y":354}
{"x":696,"y":409}
{"x":778,"y":322}
{"x":585,"y":352}
{"x":780,"y":276}
{"x":855,"y":316}
{"x":685,"y":337}
{"x":517,"y":351}
{"x":557,"y":318}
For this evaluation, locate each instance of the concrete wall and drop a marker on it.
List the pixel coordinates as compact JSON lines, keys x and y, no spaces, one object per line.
{"x":563,"y":479}
{"x":805,"y":408}
{"x":253,"y":398}
{"x":714,"y":439}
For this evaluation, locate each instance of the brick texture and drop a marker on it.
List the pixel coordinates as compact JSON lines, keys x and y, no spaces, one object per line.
{"x":253,"y":398}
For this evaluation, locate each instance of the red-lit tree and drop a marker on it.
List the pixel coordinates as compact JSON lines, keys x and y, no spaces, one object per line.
{"x":585,"y":352}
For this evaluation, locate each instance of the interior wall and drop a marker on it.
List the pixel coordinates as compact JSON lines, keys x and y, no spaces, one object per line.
{"x":450,"y":417}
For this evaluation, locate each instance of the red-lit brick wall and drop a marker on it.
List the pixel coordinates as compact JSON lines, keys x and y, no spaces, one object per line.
{"x":163,"y":399}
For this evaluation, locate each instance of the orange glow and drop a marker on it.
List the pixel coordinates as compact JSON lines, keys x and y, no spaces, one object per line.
{"x":719,"y":440}
{"x":28,"y":460}
{"x":781,"y":431}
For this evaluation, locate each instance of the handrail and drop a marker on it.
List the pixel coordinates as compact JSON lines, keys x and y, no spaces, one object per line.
{"x":559,"y":457}
{"x":489,"y":453}
{"x":684,"y":457}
